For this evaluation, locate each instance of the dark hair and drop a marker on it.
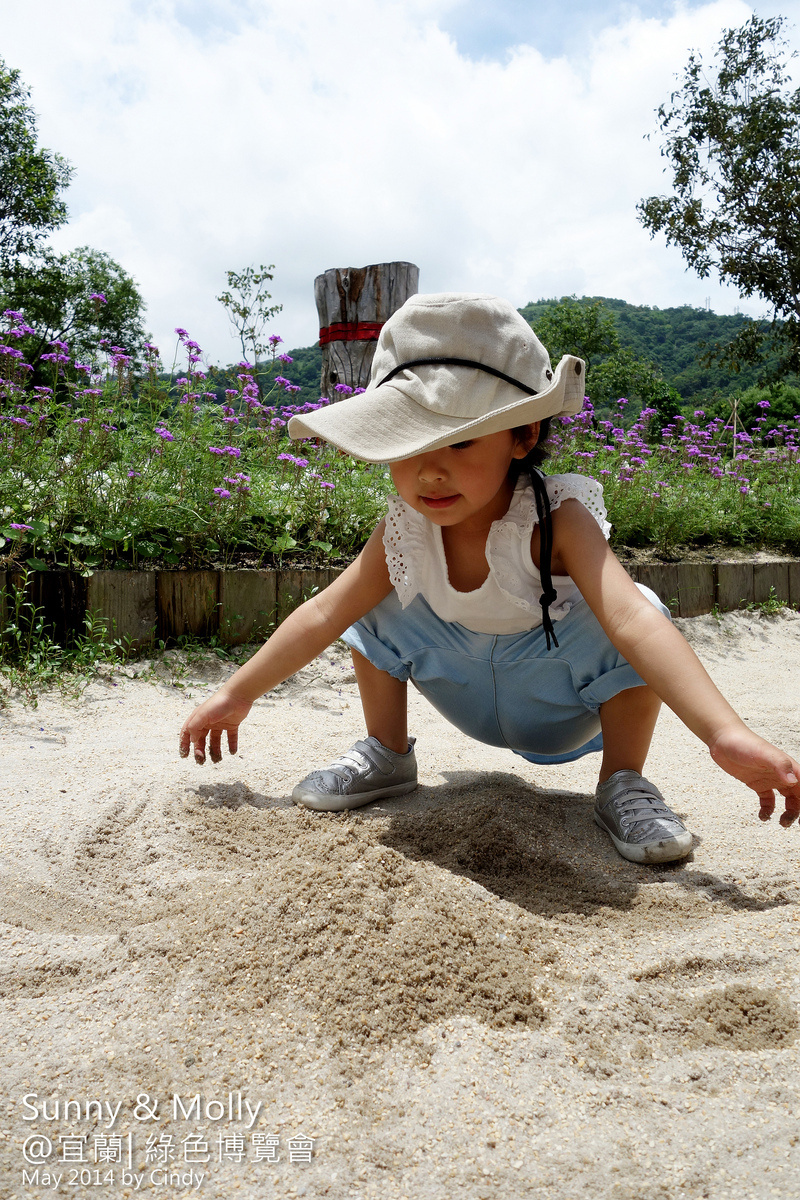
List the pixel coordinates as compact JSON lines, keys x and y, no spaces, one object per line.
{"x":536,"y":456}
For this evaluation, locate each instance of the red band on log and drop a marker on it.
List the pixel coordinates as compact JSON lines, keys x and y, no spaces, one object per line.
{"x":350,"y":331}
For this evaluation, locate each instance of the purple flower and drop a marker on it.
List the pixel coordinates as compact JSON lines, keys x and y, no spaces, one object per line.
{"x":134,"y":474}
{"x":99,"y":297}
{"x":215,"y":450}
{"x":331,"y":486}
{"x":274,"y":340}
{"x":21,"y":528}
{"x":233,"y":451}
{"x":181,"y":333}
{"x":81,"y":421}
{"x":285,"y":358}
{"x":343,"y":389}
{"x":763,"y":404}
{"x":164,"y":434}
{"x":223,"y":492}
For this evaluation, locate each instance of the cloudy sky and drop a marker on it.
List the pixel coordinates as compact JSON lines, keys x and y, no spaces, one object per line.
{"x":501,"y":145}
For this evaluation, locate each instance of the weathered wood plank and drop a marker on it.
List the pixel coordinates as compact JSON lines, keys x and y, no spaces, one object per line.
{"x":661,"y":578}
{"x":187,"y":602}
{"x":771,"y":580}
{"x":734,"y":585}
{"x":295,"y":587}
{"x":350,"y":296}
{"x":247,"y":605}
{"x":126,"y":601}
{"x":695,"y":588}
{"x":59,"y":597}
{"x":3,"y":602}
{"x":794,"y":584}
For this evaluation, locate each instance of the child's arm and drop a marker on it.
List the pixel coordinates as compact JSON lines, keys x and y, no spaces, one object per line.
{"x":666,"y":661}
{"x":300,"y":638}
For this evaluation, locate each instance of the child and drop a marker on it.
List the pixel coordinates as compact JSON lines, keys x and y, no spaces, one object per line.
{"x":462,"y":587}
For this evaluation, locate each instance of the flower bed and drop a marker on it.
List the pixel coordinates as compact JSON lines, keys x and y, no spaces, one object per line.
{"x":103,"y":465}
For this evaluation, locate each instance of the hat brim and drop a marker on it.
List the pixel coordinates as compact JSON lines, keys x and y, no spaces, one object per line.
{"x":384,"y":425}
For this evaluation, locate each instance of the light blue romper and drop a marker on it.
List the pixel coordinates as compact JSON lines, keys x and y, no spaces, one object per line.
{"x":504,"y":689}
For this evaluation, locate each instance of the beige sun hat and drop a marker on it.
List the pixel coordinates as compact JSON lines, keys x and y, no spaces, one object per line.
{"x":447,"y":367}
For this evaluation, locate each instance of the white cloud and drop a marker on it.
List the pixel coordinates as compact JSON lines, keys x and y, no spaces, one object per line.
{"x":210,"y":135}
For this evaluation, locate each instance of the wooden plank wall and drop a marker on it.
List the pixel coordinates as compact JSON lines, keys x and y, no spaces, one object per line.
{"x":691,"y":589}
{"x":140,"y":607}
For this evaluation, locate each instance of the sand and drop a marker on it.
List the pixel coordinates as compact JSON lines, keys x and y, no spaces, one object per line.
{"x":464,"y":992}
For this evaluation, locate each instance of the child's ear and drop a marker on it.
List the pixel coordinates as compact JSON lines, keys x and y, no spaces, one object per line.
{"x":526,"y":440}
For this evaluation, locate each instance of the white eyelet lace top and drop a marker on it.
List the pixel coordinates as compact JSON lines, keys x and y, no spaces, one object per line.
{"x":508,"y":599}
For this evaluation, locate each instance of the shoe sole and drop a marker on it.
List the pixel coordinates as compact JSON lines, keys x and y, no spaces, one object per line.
{"x":667,"y":850}
{"x":322,"y":802}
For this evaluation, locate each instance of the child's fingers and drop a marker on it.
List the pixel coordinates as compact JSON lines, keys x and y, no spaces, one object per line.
{"x":200,"y":748}
{"x":215,"y":745}
{"x":187,"y":739}
{"x":233,"y":740}
{"x":766,"y":801}
{"x":791,"y":808}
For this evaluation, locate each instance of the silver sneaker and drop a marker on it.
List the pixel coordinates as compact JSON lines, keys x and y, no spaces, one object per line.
{"x":635,"y":816}
{"x":365,"y":772}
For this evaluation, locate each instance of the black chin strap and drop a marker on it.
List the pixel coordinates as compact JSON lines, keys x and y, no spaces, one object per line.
{"x":456,"y":362}
{"x":549,"y":594}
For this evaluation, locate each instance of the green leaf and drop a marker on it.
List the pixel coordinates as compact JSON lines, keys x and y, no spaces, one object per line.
{"x":326,"y":547}
{"x":36,"y":564}
{"x":39,"y":527}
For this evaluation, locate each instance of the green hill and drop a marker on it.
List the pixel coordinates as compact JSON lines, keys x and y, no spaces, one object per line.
{"x":673,"y":339}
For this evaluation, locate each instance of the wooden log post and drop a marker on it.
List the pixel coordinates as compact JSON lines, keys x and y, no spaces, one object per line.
{"x":353,"y":303}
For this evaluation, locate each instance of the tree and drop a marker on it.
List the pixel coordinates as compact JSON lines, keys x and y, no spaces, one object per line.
{"x":732,"y":141}
{"x":571,"y":326}
{"x":249,"y":311}
{"x":31,"y":179}
{"x":587,"y":329}
{"x":623,"y":374}
{"x":80,"y":298}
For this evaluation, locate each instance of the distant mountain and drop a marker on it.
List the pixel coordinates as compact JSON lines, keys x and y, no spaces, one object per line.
{"x":673,"y":339}
{"x":670,"y":337}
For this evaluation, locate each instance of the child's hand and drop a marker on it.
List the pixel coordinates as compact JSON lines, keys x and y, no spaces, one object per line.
{"x":220,"y":711}
{"x":762,"y":766}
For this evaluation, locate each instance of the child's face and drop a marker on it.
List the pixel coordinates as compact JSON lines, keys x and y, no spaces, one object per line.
{"x":466,"y":480}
